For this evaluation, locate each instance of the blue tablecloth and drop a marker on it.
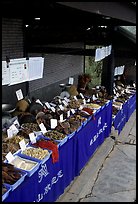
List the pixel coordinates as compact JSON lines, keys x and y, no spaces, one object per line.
{"x":124,"y":113}
{"x":131,"y":105}
{"x":50,"y":180}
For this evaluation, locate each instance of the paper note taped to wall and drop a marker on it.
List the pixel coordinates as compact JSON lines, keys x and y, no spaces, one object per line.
{"x":5,"y":73}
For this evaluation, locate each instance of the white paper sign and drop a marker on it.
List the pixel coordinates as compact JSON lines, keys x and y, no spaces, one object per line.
{"x":14,"y":129}
{"x":18,"y":71}
{"x":5,"y":73}
{"x":65,"y":103}
{"x":61,"y":118}
{"x":53,"y":109}
{"x":36,"y":65}
{"x":114,"y":91}
{"x":73,"y":111}
{"x":75,"y":98}
{"x":43,"y":128}
{"x":71,"y":80}
{"x":93,"y":97}
{"x":47,"y":105}
{"x":110,"y":49}
{"x":16,"y":123}
{"x":9,"y":133}
{"x":68,"y":113}
{"x":59,"y":100}
{"x":102,"y":52}
{"x":66,"y":99}
{"x":115,"y":71}
{"x":97,"y":54}
{"x":19,"y":94}
{"x":81,"y":107}
{"x":81,"y":95}
{"x":10,"y":157}
{"x":84,"y":101}
{"x":61,"y":107}
{"x":53,"y":123}
{"x":32,"y":138}
{"x":119,"y":70}
{"x":38,"y":101}
{"x":22,"y":145}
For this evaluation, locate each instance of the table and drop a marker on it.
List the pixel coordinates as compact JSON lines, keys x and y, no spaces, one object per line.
{"x":124,"y":113}
{"x":50,"y":180}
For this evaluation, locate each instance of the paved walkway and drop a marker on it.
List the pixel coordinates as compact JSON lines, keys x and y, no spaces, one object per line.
{"x":110,"y":175}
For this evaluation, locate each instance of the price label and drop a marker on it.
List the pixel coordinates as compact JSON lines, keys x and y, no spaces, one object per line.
{"x":53,"y":123}
{"x":14,"y":129}
{"x":16,"y":123}
{"x":59,"y":100}
{"x":22,"y":145}
{"x":10,"y":157}
{"x":38,"y":101}
{"x":53,"y":109}
{"x":32,"y":138}
{"x":71,"y":80}
{"x":9,"y":133}
{"x":84,"y":101}
{"x":65,"y":103}
{"x":43,"y":128}
{"x":47,"y":105}
{"x":114,"y":91}
{"x":61,"y":107}
{"x":68,"y":113}
{"x":61,"y":118}
{"x":73,"y":111}
{"x":19,"y":94}
{"x":93,"y":97}
{"x":81,"y":95}
{"x":53,"y":104}
{"x":75,"y":98}
{"x":81,"y":107}
{"x":66,"y":99}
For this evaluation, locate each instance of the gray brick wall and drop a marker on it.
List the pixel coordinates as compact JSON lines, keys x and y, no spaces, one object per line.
{"x":12,"y":46}
{"x":12,"y":38}
{"x":57,"y":69}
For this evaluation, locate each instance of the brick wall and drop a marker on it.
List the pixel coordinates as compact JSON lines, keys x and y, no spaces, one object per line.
{"x":57,"y":69}
{"x":12,"y":46}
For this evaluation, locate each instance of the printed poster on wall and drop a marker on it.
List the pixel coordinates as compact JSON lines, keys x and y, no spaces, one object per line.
{"x":5,"y":73}
{"x":36,"y":65}
{"x":18,"y":71}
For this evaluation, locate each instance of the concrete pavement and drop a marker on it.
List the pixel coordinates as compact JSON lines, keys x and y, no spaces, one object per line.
{"x":110,"y":174}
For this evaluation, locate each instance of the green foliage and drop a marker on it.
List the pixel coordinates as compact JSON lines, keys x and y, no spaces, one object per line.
{"x":94,"y":69}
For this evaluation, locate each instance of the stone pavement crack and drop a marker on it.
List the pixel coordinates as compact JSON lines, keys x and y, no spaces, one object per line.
{"x":121,"y":191}
{"x":97,"y":176}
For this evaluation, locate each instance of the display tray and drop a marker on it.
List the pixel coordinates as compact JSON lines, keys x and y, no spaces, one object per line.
{"x":5,"y":195}
{"x":30,"y":160}
{"x":61,"y":142}
{"x":79,"y":128}
{"x":85,"y":122}
{"x":71,"y":135}
{"x":33,"y":158}
{"x":18,"y":182}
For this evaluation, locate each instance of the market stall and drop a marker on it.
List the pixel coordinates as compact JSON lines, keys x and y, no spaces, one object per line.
{"x":51,"y":179}
{"x":123,"y":115}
